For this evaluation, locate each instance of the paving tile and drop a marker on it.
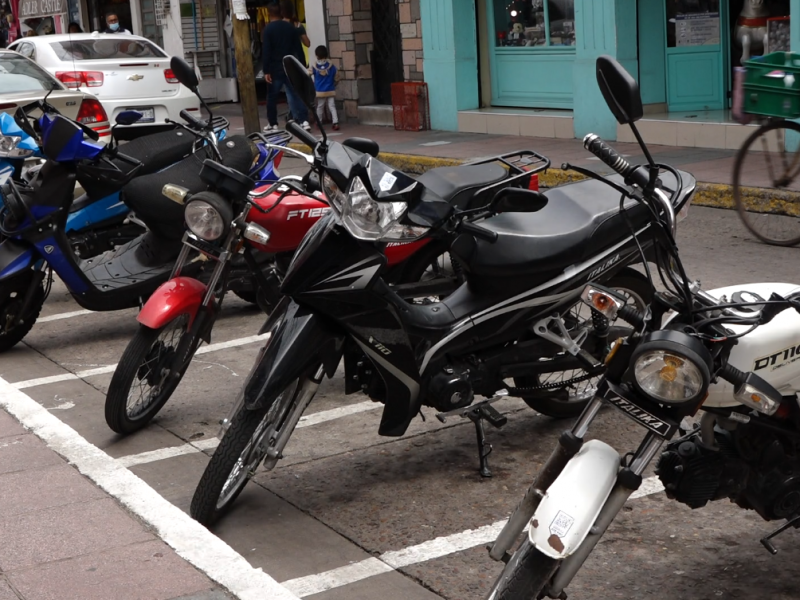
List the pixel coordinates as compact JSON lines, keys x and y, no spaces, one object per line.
{"x":65,"y":532}
{"x":140,"y":571}
{"x":6,"y":593}
{"x":21,"y":452}
{"x":37,"y":489}
{"x":9,"y":426}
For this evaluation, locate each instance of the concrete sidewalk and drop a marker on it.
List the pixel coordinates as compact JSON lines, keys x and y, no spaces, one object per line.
{"x":63,"y":538}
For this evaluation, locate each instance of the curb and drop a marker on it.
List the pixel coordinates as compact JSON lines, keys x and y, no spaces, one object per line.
{"x":714,"y":195}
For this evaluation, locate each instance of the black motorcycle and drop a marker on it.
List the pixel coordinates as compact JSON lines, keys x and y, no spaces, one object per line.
{"x":526,"y":264}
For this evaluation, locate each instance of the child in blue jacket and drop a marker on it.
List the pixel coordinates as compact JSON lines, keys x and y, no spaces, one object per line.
{"x":325,"y":84}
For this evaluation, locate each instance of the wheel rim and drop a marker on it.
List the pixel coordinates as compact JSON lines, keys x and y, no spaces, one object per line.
{"x":9,"y":312}
{"x":149,"y":382}
{"x":254,"y":452}
{"x":765,"y":163}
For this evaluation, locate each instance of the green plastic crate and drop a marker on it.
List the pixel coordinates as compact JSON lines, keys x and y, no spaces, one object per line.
{"x":772,"y":85}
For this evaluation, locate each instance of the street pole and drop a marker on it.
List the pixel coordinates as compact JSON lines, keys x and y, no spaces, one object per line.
{"x":244,"y":67}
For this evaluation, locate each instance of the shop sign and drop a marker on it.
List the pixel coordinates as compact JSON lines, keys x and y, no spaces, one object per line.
{"x":32,"y":9}
{"x":699,"y":29}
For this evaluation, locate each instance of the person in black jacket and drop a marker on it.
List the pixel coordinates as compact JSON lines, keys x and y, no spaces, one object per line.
{"x":278,"y":39}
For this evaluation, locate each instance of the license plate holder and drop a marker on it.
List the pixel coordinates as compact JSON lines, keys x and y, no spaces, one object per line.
{"x":148,"y":114}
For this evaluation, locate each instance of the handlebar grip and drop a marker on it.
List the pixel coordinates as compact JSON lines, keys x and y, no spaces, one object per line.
{"x":607,"y":154}
{"x":631,"y":315}
{"x":192,"y":120}
{"x":479,"y":232}
{"x":301,"y":134}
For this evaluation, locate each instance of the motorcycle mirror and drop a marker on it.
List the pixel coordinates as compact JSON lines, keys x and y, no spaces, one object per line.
{"x":301,"y":81}
{"x":128,"y":117}
{"x":518,"y":200}
{"x":363,"y":145}
{"x":620,"y":90}
{"x":184,"y":73}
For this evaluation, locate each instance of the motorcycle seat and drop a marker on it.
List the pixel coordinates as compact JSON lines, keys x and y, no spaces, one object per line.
{"x":157,"y":151}
{"x":458,"y":185}
{"x":580,"y":220}
{"x":163,"y":216}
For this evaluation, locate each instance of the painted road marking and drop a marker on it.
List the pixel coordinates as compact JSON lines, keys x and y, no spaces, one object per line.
{"x":211,"y":443}
{"x":439,"y":143}
{"x":191,"y":541}
{"x":66,"y":315}
{"x":435,"y":548}
{"x":20,"y":385}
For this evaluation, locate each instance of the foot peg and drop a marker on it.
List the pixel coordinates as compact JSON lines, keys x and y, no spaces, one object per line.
{"x":765,"y":541}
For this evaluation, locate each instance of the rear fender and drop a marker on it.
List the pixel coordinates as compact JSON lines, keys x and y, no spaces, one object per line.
{"x":299,"y":339}
{"x":16,"y":257}
{"x":177,"y":296}
{"x":570,"y":507}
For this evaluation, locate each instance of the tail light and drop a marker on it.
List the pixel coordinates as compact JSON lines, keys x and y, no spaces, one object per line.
{"x":276,"y":162}
{"x":91,"y":112}
{"x":533,"y":184}
{"x":170,"y":76}
{"x":76,"y":79}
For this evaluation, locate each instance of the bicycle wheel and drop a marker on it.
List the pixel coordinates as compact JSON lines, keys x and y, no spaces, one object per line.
{"x":764,"y":162}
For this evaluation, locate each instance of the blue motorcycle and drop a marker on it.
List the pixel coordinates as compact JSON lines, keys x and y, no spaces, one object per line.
{"x":35,"y":213}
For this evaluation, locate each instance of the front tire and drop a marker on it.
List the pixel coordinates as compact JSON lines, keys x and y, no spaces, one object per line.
{"x":526,"y":575}
{"x":147,"y":375}
{"x":12,"y":295}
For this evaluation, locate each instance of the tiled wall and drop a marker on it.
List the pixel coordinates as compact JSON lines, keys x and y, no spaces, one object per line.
{"x":350,"y":45}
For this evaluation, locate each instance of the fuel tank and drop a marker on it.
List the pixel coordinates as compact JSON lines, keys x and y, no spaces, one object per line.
{"x":287,"y":222}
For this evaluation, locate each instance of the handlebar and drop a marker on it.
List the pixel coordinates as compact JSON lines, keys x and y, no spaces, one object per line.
{"x":611,"y":157}
{"x":192,"y":120}
{"x":301,"y":134}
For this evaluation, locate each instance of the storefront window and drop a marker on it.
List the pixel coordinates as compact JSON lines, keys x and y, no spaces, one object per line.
{"x":534,"y":23}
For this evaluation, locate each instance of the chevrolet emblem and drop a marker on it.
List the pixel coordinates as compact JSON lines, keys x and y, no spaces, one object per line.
{"x":135,"y":77}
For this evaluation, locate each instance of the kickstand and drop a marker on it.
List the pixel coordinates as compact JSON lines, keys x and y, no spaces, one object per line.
{"x":765,"y":541}
{"x":489,"y":413}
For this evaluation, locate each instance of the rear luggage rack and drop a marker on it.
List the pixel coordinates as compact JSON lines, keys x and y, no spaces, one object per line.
{"x":522,"y":164}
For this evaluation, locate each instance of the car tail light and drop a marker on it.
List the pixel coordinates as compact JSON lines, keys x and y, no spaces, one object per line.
{"x":76,"y":79}
{"x":170,"y":76}
{"x":92,"y":111}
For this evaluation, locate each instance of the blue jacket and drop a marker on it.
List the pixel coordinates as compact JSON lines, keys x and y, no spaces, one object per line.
{"x":324,"y":79}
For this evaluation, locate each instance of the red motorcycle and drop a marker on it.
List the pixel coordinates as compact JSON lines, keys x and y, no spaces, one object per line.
{"x":266,"y":227}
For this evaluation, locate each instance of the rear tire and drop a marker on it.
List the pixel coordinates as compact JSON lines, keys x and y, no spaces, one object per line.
{"x":238,"y":456}
{"x":570,"y":400}
{"x":12,"y":295}
{"x":526,"y":575}
{"x":148,"y":362}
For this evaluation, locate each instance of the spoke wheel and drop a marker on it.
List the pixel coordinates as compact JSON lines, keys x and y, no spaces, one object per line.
{"x":566,"y":393}
{"x":526,"y":575}
{"x":764,"y":162}
{"x":246,"y":444}
{"x":147,"y":375}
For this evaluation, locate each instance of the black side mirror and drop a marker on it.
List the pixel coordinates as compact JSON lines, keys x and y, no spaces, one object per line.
{"x":518,"y":200}
{"x":363,"y":145}
{"x":620,"y":90}
{"x":301,"y":81}
{"x":184,"y":73}
{"x":128,"y":117}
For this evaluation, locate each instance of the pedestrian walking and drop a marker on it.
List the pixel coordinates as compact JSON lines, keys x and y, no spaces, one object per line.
{"x":325,"y":84}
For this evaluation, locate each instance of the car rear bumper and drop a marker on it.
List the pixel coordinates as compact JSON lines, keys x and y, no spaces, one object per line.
{"x":163,"y":107}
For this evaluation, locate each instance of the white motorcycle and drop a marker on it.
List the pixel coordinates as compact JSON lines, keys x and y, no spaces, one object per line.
{"x":732,"y":353}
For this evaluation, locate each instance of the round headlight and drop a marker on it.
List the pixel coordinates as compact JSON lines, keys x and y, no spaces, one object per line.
{"x":672,"y":367}
{"x":208,"y":216}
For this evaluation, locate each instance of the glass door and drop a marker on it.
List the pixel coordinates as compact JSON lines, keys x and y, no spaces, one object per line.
{"x":696,"y":54}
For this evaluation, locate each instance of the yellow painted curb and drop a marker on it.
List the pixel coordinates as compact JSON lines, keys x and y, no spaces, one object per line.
{"x":714,"y":195}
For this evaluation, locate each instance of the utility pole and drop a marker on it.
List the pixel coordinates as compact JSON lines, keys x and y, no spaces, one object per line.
{"x":244,"y":66}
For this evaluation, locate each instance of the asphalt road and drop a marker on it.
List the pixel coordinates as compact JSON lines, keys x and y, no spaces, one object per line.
{"x":344,"y":496}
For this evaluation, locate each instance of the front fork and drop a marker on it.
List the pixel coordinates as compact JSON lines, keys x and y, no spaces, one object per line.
{"x":569,"y":444}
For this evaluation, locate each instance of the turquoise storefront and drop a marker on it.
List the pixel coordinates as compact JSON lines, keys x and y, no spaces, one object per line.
{"x":540,"y":54}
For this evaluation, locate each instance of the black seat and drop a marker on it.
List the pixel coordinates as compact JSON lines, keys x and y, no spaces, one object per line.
{"x":458,"y":185}
{"x":580,"y":220}
{"x":163,"y":216}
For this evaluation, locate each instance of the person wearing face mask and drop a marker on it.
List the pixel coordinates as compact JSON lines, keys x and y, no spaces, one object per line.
{"x":112,"y":20}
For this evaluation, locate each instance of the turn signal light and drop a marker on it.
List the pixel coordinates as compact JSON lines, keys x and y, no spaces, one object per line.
{"x":603,"y":301}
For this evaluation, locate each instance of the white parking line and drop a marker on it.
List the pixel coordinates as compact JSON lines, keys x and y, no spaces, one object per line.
{"x":435,"y":548}
{"x":66,"y":315}
{"x":211,"y":443}
{"x":20,"y":385}
{"x":191,"y":541}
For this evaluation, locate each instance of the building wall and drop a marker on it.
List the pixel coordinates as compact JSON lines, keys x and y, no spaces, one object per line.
{"x":350,"y":44}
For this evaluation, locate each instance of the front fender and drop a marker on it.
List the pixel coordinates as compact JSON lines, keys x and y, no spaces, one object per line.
{"x":570,"y":507}
{"x":299,"y":339}
{"x":16,"y":257}
{"x":173,"y":298}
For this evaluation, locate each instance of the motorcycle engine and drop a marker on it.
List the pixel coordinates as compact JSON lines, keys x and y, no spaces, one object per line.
{"x":450,"y":389}
{"x":755,"y":467}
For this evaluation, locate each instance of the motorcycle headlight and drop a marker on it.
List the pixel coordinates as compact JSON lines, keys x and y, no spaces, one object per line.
{"x":672,"y":367}
{"x":335,"y":196}
{"x":367,"y":219}
{"x":9,"y":147}
{"x":208,"y":216}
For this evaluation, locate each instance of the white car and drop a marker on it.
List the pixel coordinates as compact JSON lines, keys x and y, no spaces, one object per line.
{"x":22,"y":82}
{"x":124,"y":71}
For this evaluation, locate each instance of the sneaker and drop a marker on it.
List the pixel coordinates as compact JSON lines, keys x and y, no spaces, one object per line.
{"x":306,"y":126}
{"x":336,"y":127}
{"x":270,"y":128}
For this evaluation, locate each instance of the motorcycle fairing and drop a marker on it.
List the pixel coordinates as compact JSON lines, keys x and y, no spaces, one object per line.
{"x":15,"y":257}
{"x":9,"y":126}
{"x":63,"y":140}
{"x":96,"y":213}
